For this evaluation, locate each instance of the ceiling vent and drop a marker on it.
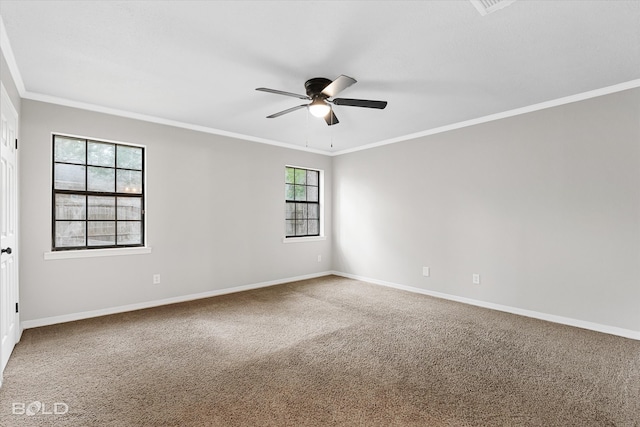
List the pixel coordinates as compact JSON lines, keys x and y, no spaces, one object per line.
{"x":487,"y":6}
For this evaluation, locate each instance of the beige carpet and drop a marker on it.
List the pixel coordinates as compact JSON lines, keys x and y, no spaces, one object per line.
{"x":329,"y":351}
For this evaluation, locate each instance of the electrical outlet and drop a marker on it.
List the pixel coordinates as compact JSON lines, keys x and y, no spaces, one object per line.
{"x":425,"y":271}
{"x":476,"y":279}
{"x":319,"y":258}
{"x":156,"y":279}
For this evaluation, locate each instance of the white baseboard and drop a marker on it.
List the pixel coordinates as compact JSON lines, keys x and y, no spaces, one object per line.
{"x":35,"y":323}
{"x":612,"y":330}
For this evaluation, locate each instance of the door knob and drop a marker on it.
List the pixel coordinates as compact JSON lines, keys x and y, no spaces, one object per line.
{"x":8,"y":251}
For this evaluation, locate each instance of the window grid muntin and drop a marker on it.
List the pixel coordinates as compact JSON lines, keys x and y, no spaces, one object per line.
{"x":291,"y":203}
{"x":87,"y":193}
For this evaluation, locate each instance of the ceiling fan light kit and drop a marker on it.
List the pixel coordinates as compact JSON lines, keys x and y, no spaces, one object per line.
{"x":319,"y":108}
{"x":319,"y":91}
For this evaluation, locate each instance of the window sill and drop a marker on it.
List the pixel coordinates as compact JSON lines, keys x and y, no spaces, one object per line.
{"x":303,"y":239}
{"x":93,"y":253}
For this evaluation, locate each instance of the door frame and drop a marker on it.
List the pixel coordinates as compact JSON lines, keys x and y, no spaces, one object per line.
{"x":18,"y":327}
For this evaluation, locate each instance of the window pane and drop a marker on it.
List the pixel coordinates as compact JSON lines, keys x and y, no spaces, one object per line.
{"x":312,"y":178}
{"x":313,"y":227}
{"x":129,"y":208}
{"x":100,"y":179}
{"x":70,"y":233}
{"x":101,"y":233}
{"x":301,"y":192}
{"x":129,"y":233}
{"x":70,"y":206}
{"x":129,"y":157}
{"x":69,"y":150}
{"x":301,"y":227}
{"x":302,"y":186}
{"x":290,"y":228}
{"x":289,"y":192}
{"x":289,"y":175}
{"x":301,"y":176}
{"x":69,"y":177}
{"x":87,"y":213}
{"x":290,"y":211}
{"x":312,"y":194}
{"x":313,"y":211}
{"x":102,"y":207}
{"x":101,"y":154}
{"x":301,"y":211}
{"x":129,"y":182}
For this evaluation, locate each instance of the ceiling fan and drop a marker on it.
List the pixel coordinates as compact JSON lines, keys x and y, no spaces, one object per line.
{"x":319,"y":90}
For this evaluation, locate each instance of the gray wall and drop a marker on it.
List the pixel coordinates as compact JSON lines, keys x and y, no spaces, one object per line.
{"x":545,"y":206}
{"x":215,"y":214}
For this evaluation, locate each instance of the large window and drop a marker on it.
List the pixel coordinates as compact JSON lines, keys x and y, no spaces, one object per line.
{"x":98,"y":194}
{"x":302,"y":198}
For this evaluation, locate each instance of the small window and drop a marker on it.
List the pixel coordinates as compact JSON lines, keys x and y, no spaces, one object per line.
{"x":302,"y":198}
{"x":98,"y":194}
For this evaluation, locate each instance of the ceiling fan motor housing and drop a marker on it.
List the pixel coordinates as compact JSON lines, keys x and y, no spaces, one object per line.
{"x":315,"y":87}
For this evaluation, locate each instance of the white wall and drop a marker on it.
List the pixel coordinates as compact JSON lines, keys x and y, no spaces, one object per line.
{"x":215,"y":214}
{"x":545,"y":206}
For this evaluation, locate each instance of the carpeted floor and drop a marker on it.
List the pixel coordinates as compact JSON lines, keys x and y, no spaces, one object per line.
{"x":322,"y":352}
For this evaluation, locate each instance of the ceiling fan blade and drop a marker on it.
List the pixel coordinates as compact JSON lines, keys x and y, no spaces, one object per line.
{"x":338,"y":85}
{"x":360,"y":103}
{"x":288,"y":110}
{"x":331,"y":118}
{"x":281,"y":92}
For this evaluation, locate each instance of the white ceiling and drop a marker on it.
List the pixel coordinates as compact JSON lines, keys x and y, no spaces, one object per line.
{"x":436,"y":62}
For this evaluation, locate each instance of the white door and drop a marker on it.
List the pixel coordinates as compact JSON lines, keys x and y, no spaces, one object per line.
{"x":9,"y":328}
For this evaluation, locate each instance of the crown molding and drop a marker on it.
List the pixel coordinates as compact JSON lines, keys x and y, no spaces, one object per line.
{"x":158,"y":120}
{"x":498,"y":116}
